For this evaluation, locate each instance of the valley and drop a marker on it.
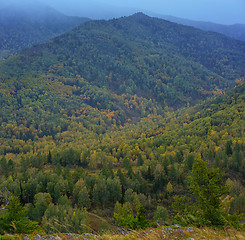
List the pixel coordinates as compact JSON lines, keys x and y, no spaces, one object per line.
{"x":114,"y":119}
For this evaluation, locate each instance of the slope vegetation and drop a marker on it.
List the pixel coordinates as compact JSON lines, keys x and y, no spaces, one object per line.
{"x":146,"y":164}
{"x":87,"y":125}
{"x":104,"y":74}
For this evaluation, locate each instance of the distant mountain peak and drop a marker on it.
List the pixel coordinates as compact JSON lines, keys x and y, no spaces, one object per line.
{"x":140,"y":15}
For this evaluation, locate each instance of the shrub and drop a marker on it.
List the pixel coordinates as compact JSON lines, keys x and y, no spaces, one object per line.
{"x":124,"y":216}
{"x":15,"y":220}
{"x":161,"y":214}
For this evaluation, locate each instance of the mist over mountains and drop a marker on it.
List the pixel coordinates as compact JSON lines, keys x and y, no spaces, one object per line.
{"x":28,"y":24}
{"x":25,"y":23}
{"x":93,"y":9}
{"x":236,"y":31}
{"x":222,"y":12}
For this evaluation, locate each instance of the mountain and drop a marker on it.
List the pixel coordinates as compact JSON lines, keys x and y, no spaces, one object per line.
{"x":97,"y":127}
{"x":236,"y":31}
{"x":24,"y":25}
{"x":104,"y":74}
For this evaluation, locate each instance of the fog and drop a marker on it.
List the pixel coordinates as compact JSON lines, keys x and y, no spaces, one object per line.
{"x":218,"y":11}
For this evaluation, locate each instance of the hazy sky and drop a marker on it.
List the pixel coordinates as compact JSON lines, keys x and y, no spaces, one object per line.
{"x":219,"y":11}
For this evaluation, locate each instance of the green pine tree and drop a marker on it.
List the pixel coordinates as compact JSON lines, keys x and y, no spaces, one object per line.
{"x":207,"y":185}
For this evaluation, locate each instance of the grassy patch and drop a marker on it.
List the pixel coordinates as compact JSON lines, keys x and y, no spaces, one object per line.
{"x":196,"y":234}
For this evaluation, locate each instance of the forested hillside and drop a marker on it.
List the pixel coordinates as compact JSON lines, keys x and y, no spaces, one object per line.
{"x":26,"y":25}
{"x":106,"y":73}
{"x":147,"y":165}
{"x":101,"y":121}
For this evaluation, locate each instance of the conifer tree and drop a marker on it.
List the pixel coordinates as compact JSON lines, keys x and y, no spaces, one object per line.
{"x":207,"y":185}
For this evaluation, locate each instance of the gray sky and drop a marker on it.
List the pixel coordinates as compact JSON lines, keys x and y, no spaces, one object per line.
{"x":219,"y":11}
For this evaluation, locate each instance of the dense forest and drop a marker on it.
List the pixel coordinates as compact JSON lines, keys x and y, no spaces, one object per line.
{"x":133,"y":119}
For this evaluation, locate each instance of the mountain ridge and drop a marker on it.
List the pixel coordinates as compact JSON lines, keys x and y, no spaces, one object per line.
{"x":117,"y":71}
{"x":236,"y":31}
{"x":88,"y":127}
